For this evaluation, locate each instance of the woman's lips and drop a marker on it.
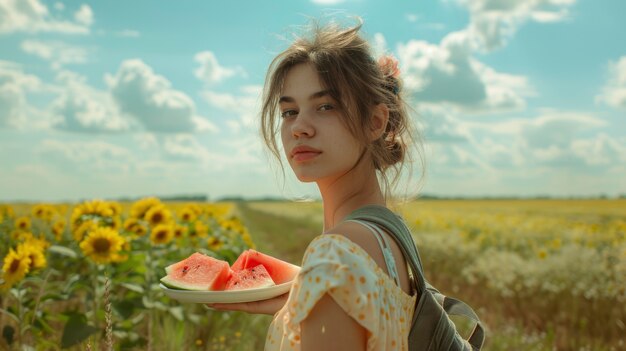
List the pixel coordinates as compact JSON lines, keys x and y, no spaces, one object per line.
{"x":304,"y":153}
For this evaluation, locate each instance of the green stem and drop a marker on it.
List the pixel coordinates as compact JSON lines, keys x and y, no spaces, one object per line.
{"x":148,"y":275}
{"x":20,"y":314}
{"x":96,"y":302}
{"x":39,"y":294}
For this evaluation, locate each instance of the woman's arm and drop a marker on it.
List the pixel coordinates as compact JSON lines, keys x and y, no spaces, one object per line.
{"x":328,"y":327}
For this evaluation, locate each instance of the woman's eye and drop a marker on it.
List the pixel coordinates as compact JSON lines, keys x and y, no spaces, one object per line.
{"x":326,"y":107}
{"x":288,"y":113}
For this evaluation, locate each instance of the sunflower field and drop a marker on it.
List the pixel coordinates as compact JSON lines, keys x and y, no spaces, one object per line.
{"x":87,"y":276}
{"x":542,"y":274}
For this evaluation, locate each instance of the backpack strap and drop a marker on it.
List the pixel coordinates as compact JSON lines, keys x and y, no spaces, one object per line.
{"x":397,"y":228}
{"x":384,"y":247}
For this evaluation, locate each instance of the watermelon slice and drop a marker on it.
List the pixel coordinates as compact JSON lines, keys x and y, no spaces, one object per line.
{"x":251,"y":278}
{"x":279,"y":270}
{"x":197,"y":272}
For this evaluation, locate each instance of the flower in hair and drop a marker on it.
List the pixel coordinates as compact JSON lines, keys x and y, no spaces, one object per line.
{"x":389,"y":66}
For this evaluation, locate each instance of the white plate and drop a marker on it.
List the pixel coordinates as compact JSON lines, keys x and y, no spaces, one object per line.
{"x":233,"y":296}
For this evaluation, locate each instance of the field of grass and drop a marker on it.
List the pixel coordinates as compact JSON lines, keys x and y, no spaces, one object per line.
{"x":542,"y":275}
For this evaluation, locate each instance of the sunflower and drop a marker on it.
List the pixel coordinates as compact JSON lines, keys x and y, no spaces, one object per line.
{"x":248,"y":240}
{"x":214,"y":243}
{"x":44,"y":212}
{"x":162,"y":234}
{"x":187,"y":214}
{"x":102,"y":245}
{"x":158,"y":215}
{"x":90,"y":209}
{"x":200,"y":229}
{"x":35,"y":253}
{"x":58,"y":228}
{"x":22,"y":223}
{"x":7,"y":211}
{"x":16,"y":266}
{"x":39,"y":242}
{"x":83,"y":228}
{"x":180,"y":231}
{"x":141,"y":207}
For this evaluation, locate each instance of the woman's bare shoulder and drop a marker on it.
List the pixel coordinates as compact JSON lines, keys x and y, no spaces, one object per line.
{"x":362,"y":237}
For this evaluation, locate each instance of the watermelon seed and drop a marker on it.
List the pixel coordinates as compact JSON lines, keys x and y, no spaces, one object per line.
{"x":185,"y":269}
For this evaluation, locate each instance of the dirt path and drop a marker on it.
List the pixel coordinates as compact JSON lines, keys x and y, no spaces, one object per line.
{"x":283,"y":237}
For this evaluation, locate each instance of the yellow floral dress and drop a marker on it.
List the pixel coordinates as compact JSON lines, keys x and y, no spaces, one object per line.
{"x":335,"y":265}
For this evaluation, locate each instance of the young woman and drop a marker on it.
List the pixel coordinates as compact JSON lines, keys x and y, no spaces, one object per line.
{"x":344,"y":126}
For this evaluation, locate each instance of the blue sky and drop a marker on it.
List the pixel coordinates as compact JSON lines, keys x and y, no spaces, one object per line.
{"x":107,"y":99}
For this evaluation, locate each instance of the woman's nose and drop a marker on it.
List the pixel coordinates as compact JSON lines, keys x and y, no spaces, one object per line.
{"x":302,"y":126}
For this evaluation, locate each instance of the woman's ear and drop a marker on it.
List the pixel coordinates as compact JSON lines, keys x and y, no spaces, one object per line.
{"x":380,"y":118}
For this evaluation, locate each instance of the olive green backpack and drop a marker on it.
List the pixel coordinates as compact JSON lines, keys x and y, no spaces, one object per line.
{"x":431,"y":329}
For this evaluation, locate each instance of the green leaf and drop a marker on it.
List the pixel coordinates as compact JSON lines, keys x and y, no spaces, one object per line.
{"x":133,"y":287}
{"x":177,"y":312}
{"x":76,"y":330}
{"x":61,"y":250}
{"x":7,"y":333}
{"x":13,"y":316}
{"x":124,"y":308}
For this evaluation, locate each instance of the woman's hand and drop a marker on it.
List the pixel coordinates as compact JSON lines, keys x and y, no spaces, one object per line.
{"x":269,"y":306}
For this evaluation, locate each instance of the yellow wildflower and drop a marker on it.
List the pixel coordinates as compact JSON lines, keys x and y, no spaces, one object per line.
{"x":102,"y":245}
{"x":542,"y":254}
{"x":162,"y":234}
{"x":16,"y":266}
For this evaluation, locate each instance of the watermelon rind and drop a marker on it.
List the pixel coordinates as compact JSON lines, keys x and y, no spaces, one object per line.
{"x":174,"y":284}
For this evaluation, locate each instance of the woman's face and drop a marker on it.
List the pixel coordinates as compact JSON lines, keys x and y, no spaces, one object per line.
{"x":317,"y":144}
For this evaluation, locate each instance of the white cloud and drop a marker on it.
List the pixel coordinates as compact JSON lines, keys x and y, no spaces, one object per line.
{"x":448,"y":74}
{"x":553,"y":140}
{"x":440,"y":125}
{"x":57,"y":52}
{"x":614,"y":92}
{"x":327,"y":2}
{"x":129,"y":33}
{"x":14,"y":87}
{"x":411,"y":17}
{"x":379,"y":46}
{"x":146,"y":141}
{"x":150,"y":99}
{"x":492,"y":22}
{"x":82,"y":108}
{"x":33,"y":16}
{"x":84,"y":15}
{"x":210,"y":71}
{"x":86,"y":155}
{"x":245,"y":106}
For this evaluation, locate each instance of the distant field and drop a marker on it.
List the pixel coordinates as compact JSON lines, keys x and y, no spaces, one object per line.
{"x":541,"y":273}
